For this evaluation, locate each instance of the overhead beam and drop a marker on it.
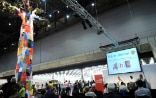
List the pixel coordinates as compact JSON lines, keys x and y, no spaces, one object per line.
{"x":74,"y":60}
{"x":75,"y":6}
{"x":133,"y":41}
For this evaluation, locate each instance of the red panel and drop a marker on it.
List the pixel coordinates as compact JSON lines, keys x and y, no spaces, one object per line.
{"x":99,"y":83}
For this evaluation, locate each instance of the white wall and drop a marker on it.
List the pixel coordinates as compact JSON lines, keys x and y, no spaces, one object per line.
{"x":148,"y":70}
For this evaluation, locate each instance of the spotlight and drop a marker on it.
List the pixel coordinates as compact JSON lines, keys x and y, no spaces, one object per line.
{"x":87,"y":21}
{"x":100,"y":31}
{"x":84,"y":25}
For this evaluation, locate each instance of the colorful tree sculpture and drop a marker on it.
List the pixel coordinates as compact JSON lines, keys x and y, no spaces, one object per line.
{"x":23,"y":72}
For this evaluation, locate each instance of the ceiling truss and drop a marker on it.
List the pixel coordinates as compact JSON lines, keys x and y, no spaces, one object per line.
{"x":75,"y":6}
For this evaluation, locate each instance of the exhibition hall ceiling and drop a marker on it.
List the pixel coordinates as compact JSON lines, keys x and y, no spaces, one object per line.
{"x":55,"y":13}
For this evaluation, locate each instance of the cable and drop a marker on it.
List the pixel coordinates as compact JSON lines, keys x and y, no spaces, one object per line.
{"x":155,"y":40}
{"x":131,"y":16}
{"x":96,"y":12}
{"x":130,"y":11}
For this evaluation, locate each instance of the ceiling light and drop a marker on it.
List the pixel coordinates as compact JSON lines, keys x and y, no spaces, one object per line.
{"x":67,"y":16}
{"x":49,"y":25}
{"x":12,"y":44}
{"x":50,"y":15}
{"x":5,"y":48}
{"x":9,"y":24}
{"x":93,"y":4}
{"x":58,"y":11}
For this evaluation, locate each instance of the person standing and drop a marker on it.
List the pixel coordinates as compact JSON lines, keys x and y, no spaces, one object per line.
{"x":119,"y":81}
{"x":132,"y":79}
{"x":123,"y":88}
{"x":105,"y":88}
{"x":145,"y":83}
{"x":131,"y":85}
{"x":22,"y":92}
{"x":141,"y":77}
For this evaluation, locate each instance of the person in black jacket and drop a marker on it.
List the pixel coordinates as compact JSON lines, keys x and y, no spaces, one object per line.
{"x":75,"y":90}
{"x":50,"y":93}
{"x":11,"y":88}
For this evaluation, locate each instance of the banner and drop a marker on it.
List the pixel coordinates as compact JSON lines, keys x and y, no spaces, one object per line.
{"x":99,"y":83}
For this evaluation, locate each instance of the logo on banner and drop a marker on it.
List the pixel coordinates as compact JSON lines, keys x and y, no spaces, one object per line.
{"x":98,"y":81}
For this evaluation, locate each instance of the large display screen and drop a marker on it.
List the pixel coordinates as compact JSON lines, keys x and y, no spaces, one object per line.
{"x":123,"y":61}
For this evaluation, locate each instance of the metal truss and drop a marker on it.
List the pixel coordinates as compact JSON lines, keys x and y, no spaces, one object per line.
{"x":75,"y":6}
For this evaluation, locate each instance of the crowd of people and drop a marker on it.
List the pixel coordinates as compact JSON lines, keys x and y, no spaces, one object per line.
{"x":138,"y":88}
{"x":11,"y":89}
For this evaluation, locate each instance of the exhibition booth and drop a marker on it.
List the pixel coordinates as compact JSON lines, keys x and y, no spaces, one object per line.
{"x":123,"y":63}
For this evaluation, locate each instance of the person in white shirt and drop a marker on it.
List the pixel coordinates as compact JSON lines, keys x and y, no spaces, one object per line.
{"x":105,"y":88}
{"x":123,"y":88}
{"x":119,"y":81}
